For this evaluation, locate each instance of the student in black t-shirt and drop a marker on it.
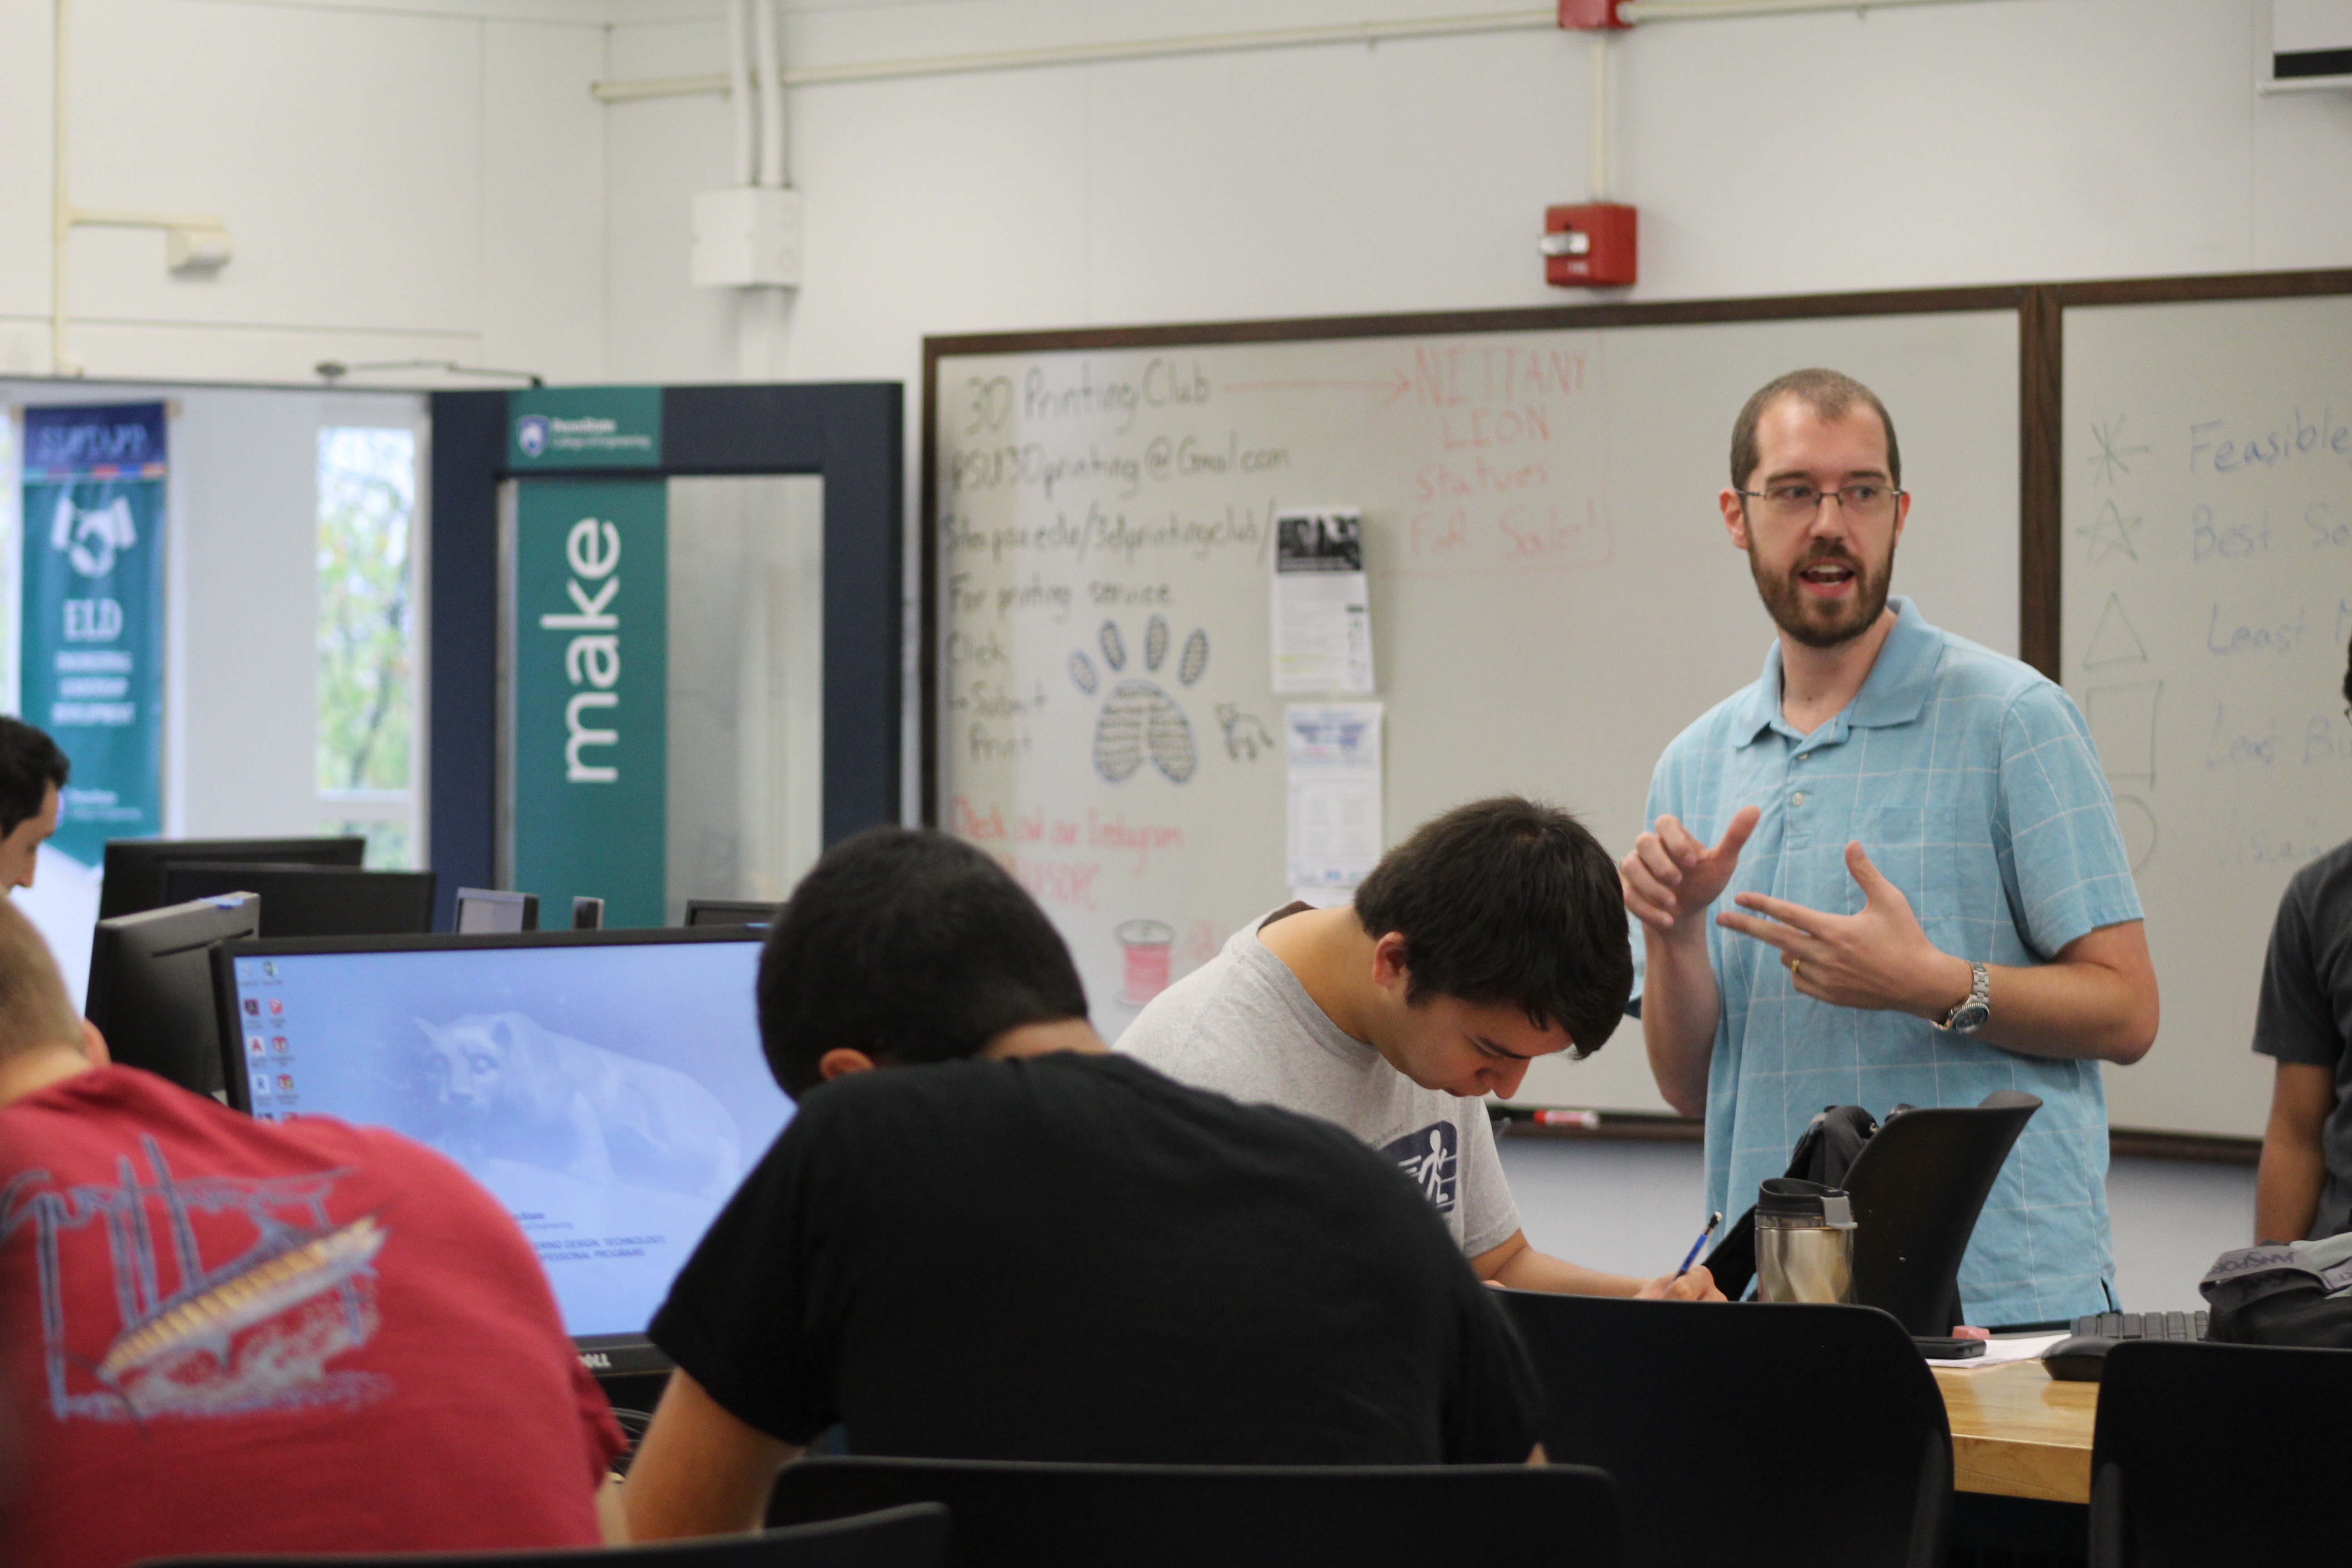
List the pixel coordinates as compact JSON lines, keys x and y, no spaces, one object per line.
{"x":1011,"y":1244}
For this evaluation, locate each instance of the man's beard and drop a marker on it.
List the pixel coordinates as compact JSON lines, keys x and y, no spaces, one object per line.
{"x":1811,"y":622}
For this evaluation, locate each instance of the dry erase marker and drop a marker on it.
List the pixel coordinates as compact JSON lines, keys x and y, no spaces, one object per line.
{"x":1700,"y":1244}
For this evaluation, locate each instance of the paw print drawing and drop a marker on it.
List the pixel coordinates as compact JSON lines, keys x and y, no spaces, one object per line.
{"x":1139,"y":719}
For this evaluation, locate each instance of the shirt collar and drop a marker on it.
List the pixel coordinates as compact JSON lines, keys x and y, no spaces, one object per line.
{"x":1894,"y":691}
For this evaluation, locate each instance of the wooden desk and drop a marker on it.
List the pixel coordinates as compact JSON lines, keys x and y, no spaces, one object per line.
{"x":2018,"y":1433}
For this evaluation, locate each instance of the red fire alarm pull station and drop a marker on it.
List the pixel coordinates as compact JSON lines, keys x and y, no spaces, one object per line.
{"x":1589,"y":16}
{"x":1589,"y":247}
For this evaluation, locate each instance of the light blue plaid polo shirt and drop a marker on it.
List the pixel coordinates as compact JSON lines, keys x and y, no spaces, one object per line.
{"x":1969,"y":780}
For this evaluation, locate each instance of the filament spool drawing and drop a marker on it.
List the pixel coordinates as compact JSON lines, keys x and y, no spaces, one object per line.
{"x":1147,"y":945}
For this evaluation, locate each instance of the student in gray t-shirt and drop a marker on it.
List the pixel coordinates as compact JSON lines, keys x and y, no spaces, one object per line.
{"x":1494,"y":935}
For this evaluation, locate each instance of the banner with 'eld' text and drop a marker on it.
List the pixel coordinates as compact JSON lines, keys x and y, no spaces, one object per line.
{"x":92,"y":620}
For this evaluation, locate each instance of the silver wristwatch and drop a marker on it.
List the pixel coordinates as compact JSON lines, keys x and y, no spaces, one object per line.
{"x":1970,"y":1015}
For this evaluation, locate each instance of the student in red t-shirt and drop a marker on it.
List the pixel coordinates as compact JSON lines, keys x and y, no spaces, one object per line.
{"x":219,"y":1335}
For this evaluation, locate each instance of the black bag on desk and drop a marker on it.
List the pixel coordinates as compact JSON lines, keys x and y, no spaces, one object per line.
{"x":1831,"y":1142}
{"x":2296,"y":1293}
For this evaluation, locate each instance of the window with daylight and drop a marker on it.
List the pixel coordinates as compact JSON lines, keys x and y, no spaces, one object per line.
{"x":367,"y":755}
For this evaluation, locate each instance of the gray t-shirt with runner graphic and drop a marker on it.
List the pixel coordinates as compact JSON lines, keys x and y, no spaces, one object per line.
{"x":1243,"y":1025}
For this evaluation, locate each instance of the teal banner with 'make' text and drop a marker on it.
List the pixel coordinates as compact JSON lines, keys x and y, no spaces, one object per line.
{"x":591,"y":733}
{"x":92,"y":644}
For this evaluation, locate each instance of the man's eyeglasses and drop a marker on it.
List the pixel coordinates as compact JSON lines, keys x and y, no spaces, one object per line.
{"x":1795,"y":502}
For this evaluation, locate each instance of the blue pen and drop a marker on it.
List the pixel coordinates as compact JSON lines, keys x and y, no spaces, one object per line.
{"x":1700,"y":1244}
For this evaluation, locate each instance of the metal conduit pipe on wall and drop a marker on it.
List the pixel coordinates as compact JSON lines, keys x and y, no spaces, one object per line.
{"x":771,"y":95}
{"x":203,"y":236}
{"x":739,"y":93}
{"x":1231,"y":43}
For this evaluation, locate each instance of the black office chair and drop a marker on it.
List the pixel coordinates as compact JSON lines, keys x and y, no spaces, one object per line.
{"x":1187,"y":1516}
{"x":1752,"y":1434}
{"x":2217,"y":1455}
{"x":1917,"y":1188}
{"x":915,"y":1536}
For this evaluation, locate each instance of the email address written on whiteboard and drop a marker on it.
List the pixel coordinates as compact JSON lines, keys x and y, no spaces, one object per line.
{"x":1471,"y":457}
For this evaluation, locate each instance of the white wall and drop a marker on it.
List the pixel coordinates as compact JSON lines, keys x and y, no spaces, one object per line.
{"x":2020,"y":140}
{"x":431,"y":179}
{"x":417,"y":181}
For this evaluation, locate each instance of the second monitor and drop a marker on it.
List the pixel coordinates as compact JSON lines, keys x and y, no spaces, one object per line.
{"x":313,"y":901}
{"x":150,"y":987}
{"x":135,"y":867}
{"x":483,"y":912}
{"x":730,"y":913}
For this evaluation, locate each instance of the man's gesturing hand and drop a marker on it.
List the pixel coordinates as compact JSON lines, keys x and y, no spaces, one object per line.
{"x":1670,"y":873}
{"x":1877,"y":960}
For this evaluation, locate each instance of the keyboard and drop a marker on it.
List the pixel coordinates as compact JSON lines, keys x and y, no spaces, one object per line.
{"x":2144,"y":1325}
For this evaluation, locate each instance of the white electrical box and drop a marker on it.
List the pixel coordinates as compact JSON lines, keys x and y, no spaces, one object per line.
{"x":2310,"y":45}
{"x":747,"y":236}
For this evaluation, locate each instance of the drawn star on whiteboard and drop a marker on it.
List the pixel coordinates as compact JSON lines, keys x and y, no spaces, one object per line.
{"x":2110,"y":533}
{"x":2113,"y":457}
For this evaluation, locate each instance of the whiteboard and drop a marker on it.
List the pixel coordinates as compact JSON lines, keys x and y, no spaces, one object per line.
{"x":1553,"y":596}
{"x":2207,"y":599}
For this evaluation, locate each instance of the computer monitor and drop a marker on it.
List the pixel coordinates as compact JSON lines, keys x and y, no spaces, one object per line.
{"x":314,"y":901}
{"x":608,"y":1087}
{"x":730,"y":913}
{"x":135,"y":867}
{"x":151,"y":986}
{"x":483,"y":912}
{"x":587,"y":913}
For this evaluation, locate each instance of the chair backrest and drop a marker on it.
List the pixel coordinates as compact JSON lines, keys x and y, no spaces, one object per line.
{"x":1917,"y":1187}
{"x":1014,"y":1515}
{"x":1753,"y":1434}
{"x":2220,"y":1455}
{"x":914,"y":1536}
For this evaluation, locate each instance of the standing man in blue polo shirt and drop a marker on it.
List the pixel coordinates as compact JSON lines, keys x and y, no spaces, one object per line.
{"x":1932,"y":897}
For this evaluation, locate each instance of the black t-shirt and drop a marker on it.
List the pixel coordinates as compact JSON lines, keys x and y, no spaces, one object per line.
{"x":1072,"y":1258}
{"x":2305,"y":1013}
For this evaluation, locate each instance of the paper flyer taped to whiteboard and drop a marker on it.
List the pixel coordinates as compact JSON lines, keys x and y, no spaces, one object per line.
{"x":1334,"y":750}
{"x":1322,"y":605}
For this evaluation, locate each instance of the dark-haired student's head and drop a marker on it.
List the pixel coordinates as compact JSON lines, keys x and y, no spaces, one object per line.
{"x":31,"y":771}
{"x":1499,"y":936}
{"x":902,"y":947}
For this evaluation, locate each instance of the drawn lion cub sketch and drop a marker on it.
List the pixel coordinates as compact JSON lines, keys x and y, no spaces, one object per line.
{"x":519,"y":1091}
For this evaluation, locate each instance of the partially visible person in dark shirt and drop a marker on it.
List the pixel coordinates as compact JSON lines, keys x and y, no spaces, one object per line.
{"x":2304,"y":1024}
{"x":1009,"y":1244}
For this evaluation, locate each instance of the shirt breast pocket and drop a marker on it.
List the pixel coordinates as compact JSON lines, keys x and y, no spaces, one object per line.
{"x":1917,"y":848}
